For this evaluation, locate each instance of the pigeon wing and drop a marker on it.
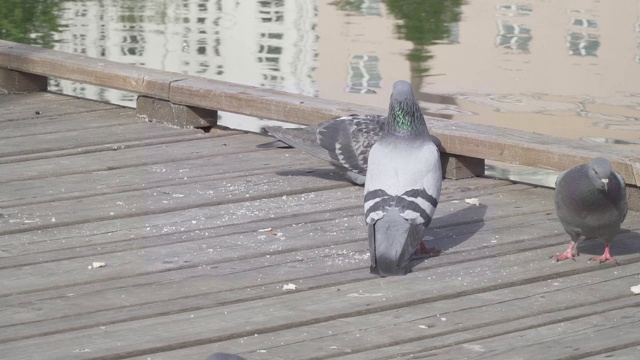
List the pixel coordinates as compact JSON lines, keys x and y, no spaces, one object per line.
{"x":348,"y":140}
{"x":304,"y":139}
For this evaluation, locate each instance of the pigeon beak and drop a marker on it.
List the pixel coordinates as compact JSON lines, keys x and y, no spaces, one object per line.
{"x":604,"y":183}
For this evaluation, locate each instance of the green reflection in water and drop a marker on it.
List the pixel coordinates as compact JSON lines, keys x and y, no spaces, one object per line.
{"x":30,"y":21}
{"x":348,"y":5}
{"x":422,"y":22}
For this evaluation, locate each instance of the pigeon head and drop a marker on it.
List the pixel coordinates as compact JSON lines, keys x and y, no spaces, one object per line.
{"x":405,"y":116}
{"x":599,"y":172}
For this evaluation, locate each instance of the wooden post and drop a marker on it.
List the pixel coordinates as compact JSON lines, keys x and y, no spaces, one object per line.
{"x":12,"y":82}
{"x":165,"y":112}
{"x":461,"y":167}
{"x":633,"y":198}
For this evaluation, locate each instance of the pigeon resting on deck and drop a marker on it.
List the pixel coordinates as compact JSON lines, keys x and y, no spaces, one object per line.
{"x":402,"y":186}
{"x":343,"y":141}
{"x":591,"y":202}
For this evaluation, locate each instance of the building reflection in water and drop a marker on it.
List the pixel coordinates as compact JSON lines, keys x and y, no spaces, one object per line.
{"x":567,"y":69}
{"x":269,"y":43}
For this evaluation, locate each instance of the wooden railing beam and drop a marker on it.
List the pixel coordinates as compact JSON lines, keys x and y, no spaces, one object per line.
{"x":458,"y":138}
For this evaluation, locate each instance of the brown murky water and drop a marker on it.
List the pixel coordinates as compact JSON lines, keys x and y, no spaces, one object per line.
{"x":564,"y":68}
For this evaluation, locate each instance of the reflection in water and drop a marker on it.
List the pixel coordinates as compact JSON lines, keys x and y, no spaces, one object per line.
{"x":512,"y":34}
{"x":422,"y":22}
{"x":268,"y":43}
{"x":30,"y":22}
{"x":364,"y":74}
{"x":568,"y":69}
{"x":360,"y":7}
{"x":583,"y":44}
{"x":425,"y":23}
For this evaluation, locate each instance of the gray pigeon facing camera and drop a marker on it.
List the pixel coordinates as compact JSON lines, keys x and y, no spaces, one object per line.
{"x":402,"y":187}
{"x":591,"y":202}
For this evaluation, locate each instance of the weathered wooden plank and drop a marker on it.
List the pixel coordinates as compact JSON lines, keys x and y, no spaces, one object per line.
{"x":630,"y":353}
{"x":507,"y":266}
{"x":225,"y":215}
{"x":14,"y":102}
{"x":469,"y":343}
{"x":156,"y":200}
{"x":170,"y":172}
{"x":187,"y":301}
{"x":87,"y":70}
{"x":569,"y":339}
{"x":529,"y":149}
{"x":50,"y":125}
{"x":419,"y":327}
{"x":342,"y":250}
{"x":45,"y":109}
{"x":183,"y":242}
{"x":201,"y":326}
{"x":172,"y":276}
{"x":458,"y":138}
{"x":232,"y":250}
{"x":262,"y":103}
{"x":31,"y":160}
{"x":177,"y":228}
{"x":91,"y":137}
{"x":130,"y":153}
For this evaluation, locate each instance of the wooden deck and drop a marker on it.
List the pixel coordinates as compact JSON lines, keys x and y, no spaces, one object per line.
{"x":201,"y":232}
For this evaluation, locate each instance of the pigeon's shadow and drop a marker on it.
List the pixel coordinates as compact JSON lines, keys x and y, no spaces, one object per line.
{"x":451,"y":230}
{"x":323,"y":173}
{"x":625,"y":243}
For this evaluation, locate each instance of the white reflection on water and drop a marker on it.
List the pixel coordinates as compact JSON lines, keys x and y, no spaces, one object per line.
{"x":268,"y":43}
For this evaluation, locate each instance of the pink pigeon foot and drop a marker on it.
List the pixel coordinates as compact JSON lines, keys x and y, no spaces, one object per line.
{"x":568,"y":254}
{"x":606,"y":256}
{"x":424,"y":250}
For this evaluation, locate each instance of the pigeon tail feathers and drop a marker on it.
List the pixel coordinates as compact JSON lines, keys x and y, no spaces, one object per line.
{"x":392,"y":242}
{"x":303,"y":139}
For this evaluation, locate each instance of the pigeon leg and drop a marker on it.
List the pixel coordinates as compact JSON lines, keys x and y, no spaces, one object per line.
{"x":606,"y":256}
{"x":424,"y":250}
{"x":568,"y":254}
